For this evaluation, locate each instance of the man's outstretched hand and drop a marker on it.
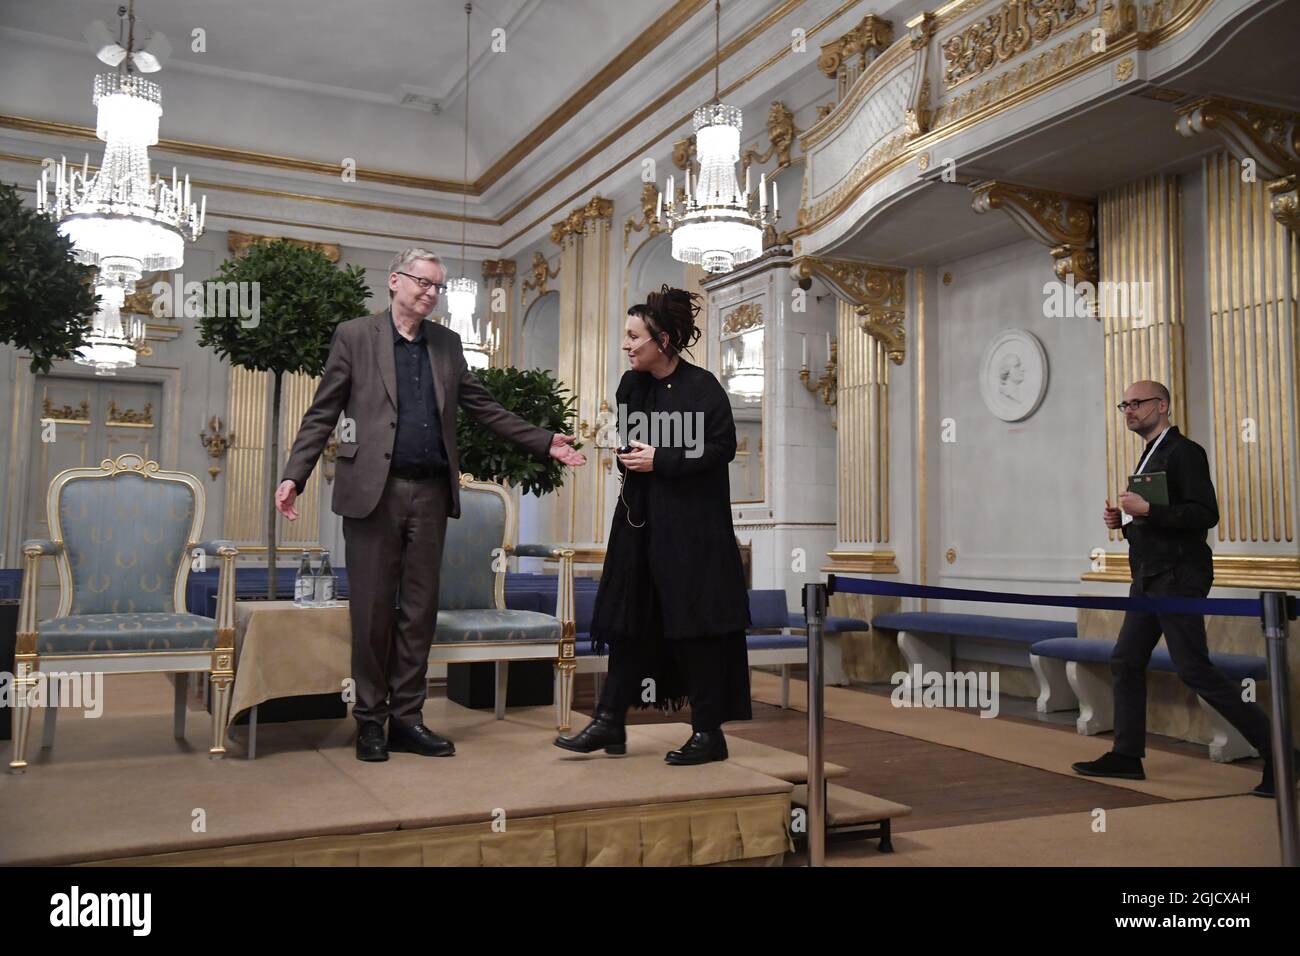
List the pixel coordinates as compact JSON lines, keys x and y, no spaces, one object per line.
{"x":562,"y":452}
{"x":284,"y":498}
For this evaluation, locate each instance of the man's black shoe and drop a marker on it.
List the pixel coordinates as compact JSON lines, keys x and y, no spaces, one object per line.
{"x":418,"y":739}
{"x":1268,"y":785}
{"x":705,"y":746}
{"x":1112,"y":765}
{"x":605,"y":731}
{"x":370,"y":743}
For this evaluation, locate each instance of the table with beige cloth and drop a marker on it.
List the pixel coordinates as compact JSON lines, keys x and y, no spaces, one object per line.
{"x":282,"y":650}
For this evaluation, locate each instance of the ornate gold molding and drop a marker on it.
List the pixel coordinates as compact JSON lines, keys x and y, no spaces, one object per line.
{"x":1013,"y":29}
{"x":239,"y":242}
{"x":742,"y":317}
{"x":865,"y":41}
{"x":502,"y":270}
{"x":862,"y":562}
{"x":1267,"y":137}
{"x":1260,"y":571}
{"x":542,"y":274}
{"x":781,"y":133}
{"x":877,"y":294}
{"x":66,"y":414}
{"x":649,"y":200}
{"x":1066,"y":224}
{"x":129,"y":416}
{"x":218,"y":442}
{"x":575,"y":223}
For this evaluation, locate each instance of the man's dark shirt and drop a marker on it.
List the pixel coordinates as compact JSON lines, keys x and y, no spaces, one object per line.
{"x":1173,"y":535}
{"x":418,"y":444}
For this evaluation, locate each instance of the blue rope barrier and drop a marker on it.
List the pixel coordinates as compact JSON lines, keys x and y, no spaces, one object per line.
{"x":1227,"y":607}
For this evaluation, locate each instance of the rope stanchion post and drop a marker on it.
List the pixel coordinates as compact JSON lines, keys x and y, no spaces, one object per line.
{"x":1274,"y":608}
{"x":814,"y":610}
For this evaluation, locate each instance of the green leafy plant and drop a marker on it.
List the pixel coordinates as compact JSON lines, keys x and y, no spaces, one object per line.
{"x":301,"y":297}
{"x":46,"y":299}
{"x":536,"y":397}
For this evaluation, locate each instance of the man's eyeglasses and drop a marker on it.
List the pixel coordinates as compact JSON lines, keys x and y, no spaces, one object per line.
{"x":425,"y":284}
{"x":1137,"y":402}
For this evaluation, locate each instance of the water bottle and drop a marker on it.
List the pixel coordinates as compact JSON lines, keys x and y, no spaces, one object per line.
{"x":304,"y":585}
{"x":325,"y":581}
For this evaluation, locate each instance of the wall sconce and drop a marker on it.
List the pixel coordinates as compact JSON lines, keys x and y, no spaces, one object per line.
{"x":827,"y":386}
{"x":216,"y":443}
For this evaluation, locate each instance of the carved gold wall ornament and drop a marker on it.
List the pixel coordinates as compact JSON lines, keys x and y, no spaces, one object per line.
{"x":845,"y":58}
{"x":542,"y":275}
{"x":129,"y":416}
{"x":239,"y":242}
{"x":1268,"y":138}
{"x":217,"y":443}
{"x":877,"y":294}
{"x":66,"y":414}
{"x":1064,"y":223}
{"x":1124,"y":69}
{"x":575,"y":223}
{"x":649,"y":200}
{"x":742,"y":317}
{"x":781,"y":133}
{"x":1010,"y":31}
{"x":1118,"y":19}
{"x":502,"y":269}
{"x":887,"y":327}
{"x":684,"y":154}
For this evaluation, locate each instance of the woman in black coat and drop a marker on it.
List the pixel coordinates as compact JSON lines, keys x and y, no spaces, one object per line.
{"x":672,"y":606}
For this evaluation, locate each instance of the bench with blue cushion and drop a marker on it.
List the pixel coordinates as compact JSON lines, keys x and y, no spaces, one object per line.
{"x":1084,"y":663}
{"x":931,"y":639}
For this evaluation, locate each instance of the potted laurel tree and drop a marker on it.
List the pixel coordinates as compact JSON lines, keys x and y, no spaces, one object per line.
{"x":46,"y":299}
{"x":536,"y":397}
{"x":298,"y":297}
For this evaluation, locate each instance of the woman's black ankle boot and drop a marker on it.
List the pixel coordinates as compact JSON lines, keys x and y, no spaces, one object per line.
{"x":605,"y":732}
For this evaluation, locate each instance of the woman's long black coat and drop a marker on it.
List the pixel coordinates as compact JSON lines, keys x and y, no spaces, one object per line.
{"x":687,"y":550}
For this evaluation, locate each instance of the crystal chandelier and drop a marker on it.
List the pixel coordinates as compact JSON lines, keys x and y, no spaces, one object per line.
{"x":462,"y":292}
{"x":714,"y":226}
{"x":118,"y":219}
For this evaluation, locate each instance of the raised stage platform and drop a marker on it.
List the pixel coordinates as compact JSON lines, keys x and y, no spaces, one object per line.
{"x":120,"y":789}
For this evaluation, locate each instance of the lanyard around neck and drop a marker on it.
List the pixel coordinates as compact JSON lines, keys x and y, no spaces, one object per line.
{"x":1147,"y":457}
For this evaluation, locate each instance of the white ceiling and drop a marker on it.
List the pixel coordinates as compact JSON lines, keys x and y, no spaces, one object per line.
{"x":370,"y":52}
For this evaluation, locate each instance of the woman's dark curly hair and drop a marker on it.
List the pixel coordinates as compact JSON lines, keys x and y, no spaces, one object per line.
{"x":672,"y":311}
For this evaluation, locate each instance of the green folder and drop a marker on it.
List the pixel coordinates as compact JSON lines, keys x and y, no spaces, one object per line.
{"x":1153,"y":486}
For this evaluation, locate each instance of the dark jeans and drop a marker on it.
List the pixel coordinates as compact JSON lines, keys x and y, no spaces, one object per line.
{"x":1185,"y":638}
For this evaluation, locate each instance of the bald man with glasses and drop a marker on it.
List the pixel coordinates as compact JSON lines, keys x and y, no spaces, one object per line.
{"x":1169,"y":557}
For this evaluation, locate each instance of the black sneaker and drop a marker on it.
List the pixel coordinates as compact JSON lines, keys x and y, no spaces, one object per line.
{"x":1112,"y":765}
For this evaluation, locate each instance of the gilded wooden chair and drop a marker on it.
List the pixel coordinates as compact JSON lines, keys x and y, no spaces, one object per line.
{"x":123,"y":538}
{"x":474,"y":623}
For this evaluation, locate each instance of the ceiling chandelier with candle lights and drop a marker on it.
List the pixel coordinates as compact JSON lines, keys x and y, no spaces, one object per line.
{"x":715,"y":226}
{"x":120,"y":219}
{"x":462,"y":292}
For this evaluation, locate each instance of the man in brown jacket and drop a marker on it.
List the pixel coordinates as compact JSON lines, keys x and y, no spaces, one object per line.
{"x":398,"y":379}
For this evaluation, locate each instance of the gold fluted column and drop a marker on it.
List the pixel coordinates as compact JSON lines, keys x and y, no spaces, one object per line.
{"x":499,"y":281}
{"x":583,"y":237}
{"x":1252,"y":266}
{"x":871,"y":336}
{"x":1140,"y":306}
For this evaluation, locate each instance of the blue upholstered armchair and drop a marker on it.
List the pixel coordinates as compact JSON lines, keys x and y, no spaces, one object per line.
{"x":123,"y":538}
{"x":474,"y":623}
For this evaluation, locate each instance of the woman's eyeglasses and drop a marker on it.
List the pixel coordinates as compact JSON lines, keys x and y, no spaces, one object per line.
{"x":425,"y":284}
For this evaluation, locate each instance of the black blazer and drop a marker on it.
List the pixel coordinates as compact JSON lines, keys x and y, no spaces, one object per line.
{"x":1173,"y":535}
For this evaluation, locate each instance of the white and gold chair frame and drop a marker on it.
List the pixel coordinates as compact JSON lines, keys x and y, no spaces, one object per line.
{"x":562,"y":652}
{"x":218,"y":662}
